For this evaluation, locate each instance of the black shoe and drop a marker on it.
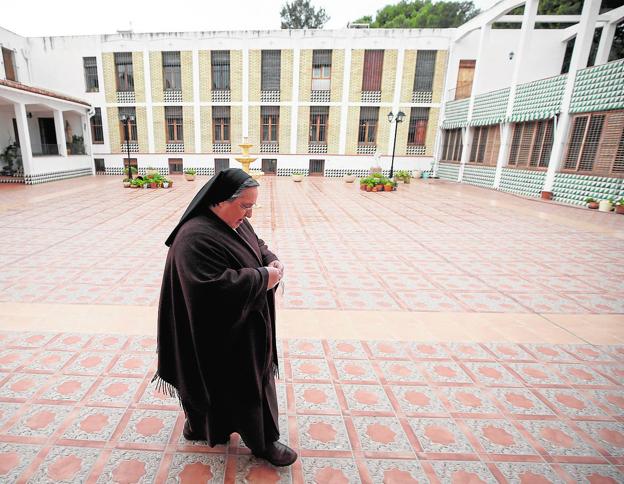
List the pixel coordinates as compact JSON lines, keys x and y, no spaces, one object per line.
{"x":278,"y":454}
{"x":190,"y":435}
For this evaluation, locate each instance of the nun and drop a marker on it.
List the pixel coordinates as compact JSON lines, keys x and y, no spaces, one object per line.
{"x":216,"y":321}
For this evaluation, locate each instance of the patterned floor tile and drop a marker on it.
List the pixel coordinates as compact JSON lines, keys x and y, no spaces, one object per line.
{"x":581,"y":375}
{"x":317,"y":470}
{"x":90,"y":363}
{"x":488,"y":302}
{"x":600,"y":303}
{"x":445,"y":372}
{"x":472,"y":472}
{"x":66,"y":464}
{"x":149,"y":427}
{"x":401,"y":371}
{"x":493,"y":374}
{"x":388,"y":349}
{"x":69,"y":341}
{"x":94,"y":423}
{"x":11,"y":359}
{"x":614,"y":371}
{"x":347,"y":280}
{"x":309,"y":299}
{"x":316,"y":397}
{"x":39,"y":420}
{"x":15,"y":458}
{"x":346,"y":349}
{"x":518,"y":473}
{"x":308,"y":369}
{"x":547,"y":352}
{"x":367,"y":398}
{"x":361,"y":300}
{"x":396,"y":471}
{"x":114,"y":391}
{"x":557,"y":438}
{"x":23,"y":386}
{"x":305,"y":348}
{"x":107,"y":342}
{"x":29,"y":339}
{"x":430,"y":301}
{"x":508,"y":352}
{"x":469,"y":351}
{"x":68,"y":388}
{"x":133,"y":364}
{"x":571,"y":402}
{"x":418,"y":399}
{"x":609,"y":435}
{"x":440,"y":435}
{"x":499,"y":437}
{"x":422,"y":350}
{"x":468,"y":400}
{"x":195,"y":467}
{"x":142,"y":343}
{"x":318,"y":432}
{"x":407,"y":282}
{"x":355,"y":370}
{"x":537,"y":374}
{"x":613,"y":400}
{"x":592,"y":473}
{"x":49,"y":361}
{"x":130,"y":466}
{"x":549,"y":303}
{"x":520,"y":401}
{"x":381,"y":434}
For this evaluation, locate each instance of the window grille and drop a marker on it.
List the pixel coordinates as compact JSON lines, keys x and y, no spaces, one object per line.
{"x":173,"y":118}
{"x":220,"y":62}
{"x":425,"y":68}
{"x":124,"y":70}
{"x":97,"y":133}
{"x":221,"y":124}
{"x":90,"y":74}
{"x":175,"y":166}
{"x":531,"y":144}
{"x":590,"y":147}
{"x":269,"y":120}
{"x":367,"y":133}
{"x":316,"y":168}
{"x":100,"y":166}
{"x":271,"y":65}
{"x":221,"y":164}
{"x":542,"y":144}
{"x":172,"y":76}
{"x":453,"y":144}
{"x":318,"y":124}
{"x":321,"y":70}
{"x":373,"y":66}
{"x":618,"y":162}
{"x":132,"y":127}
{"x":417,"y":132}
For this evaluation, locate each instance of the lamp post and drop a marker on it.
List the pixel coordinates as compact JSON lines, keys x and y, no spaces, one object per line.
{"x":126,"y":120}
{"x":398,"y":119}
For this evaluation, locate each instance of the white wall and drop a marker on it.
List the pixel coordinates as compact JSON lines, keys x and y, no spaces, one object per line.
{"x":49,"y":164}
{"x":21,"y":49}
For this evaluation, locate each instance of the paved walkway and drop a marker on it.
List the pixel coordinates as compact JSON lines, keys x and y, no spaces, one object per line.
{"x":468,"y":336}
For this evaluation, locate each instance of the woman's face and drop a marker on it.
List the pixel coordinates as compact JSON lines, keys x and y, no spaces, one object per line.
{"x":234,"y":212}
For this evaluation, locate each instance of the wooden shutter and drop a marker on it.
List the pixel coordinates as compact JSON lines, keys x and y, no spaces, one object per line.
{"x":373,"y":66}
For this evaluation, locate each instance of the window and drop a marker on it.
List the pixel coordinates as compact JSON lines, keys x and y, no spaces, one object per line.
{"x":271,"y":65}
{"x":90,"y":73}
{"x":269,"y":166}
{"x":321,"y":70}
{"x":97,"y":133}
{"x":465,"y":76}
{"x":453,"y":145}
{"x":175,"y":166}
{"x":220,"y":62}
{"x":485,"y":145}
{"x":8,"y":57}
{"x":270,"y":123}
{"x":221,"y":164}
{"x":173,"y":118}
{"x":123,"y":68}
{"x":221,"y":124}
{"x":531,"y":144}
{"x":316,"y":168}
{"x":132,"y":127}
{"x":417,"y":132}
{"x":367,"y":133}
{"x":425,"y":67}
{"x":373,"y":66}
{"x":172,"y":76}
{"x":100,"y":167}
{"x":318,"y":124}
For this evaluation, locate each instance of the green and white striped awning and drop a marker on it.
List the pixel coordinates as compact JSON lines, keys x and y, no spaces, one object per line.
{"x":454,"y":124}
{"x":531,"y":116}
{"x":487,"y":121}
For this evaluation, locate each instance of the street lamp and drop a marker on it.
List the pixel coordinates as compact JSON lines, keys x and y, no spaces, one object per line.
{"x":126,"y":120}
{"x":398,"y":119}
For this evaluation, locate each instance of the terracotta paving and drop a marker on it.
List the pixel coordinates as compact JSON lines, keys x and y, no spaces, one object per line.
{"x":81,"y":408}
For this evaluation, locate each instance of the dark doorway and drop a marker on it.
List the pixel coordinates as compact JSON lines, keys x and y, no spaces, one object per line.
{"x":269,"y":167}
{"x":221,"y":164}
{"x":100,"y":167}
{"x":175,"y":166}
{"x":317,"y":168}
{"x":47,"y":133}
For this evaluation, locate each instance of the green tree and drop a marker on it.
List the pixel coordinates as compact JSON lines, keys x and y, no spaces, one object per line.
{"x":422,"y":14}
{"x":299,"y":14}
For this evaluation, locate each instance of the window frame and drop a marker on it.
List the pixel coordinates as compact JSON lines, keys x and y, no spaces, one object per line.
{"x":366,"y":126}
{"x":221,"y":124}
{"x":269,"y":122}
{"x":95,"y":127}
{"x":174,"y":124}
{"x":172,"y":74}
{"x":89,"y":75}
{"x":124,"y":72}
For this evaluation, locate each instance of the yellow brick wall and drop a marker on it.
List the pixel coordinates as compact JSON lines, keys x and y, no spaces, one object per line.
{"x":255,"y":72}
{"x":357,"y":70}
{"x":254,"y":128}
{"x":156,"y":75}
{"x":388,"y":77}
{"x":439,"y":75}
{"x":139,"y":77}
{"x":409,"y":70}
{"x":160,"y":134}
{"x":205,"y":81}
{"x":108,"y":72}
{"x":286,"y":75}
{"x":236,"y":118}
{"x":401,"y":142}
{"x":186,"y":68}
{"x":337,"y":75}
{"x":383,"y":132}
{"x":353,"y":121}
{"x":205,"y":113}
{"x":305,"y":75}
{"x":333,"y":136}
{"x":112,"y":114}
{"x":303,"y":124}
{"x":432,"y":130}
{"x":236,"y":75}
{"x":141,"y":120}
{"x":189,"y":129}
{"x":284,"y":129}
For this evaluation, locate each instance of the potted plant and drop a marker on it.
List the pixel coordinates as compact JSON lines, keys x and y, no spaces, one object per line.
{"x":150,"y":170}
{"x":133,"y":170}
{"x":126,"y":183}
{"x":297,"y":176}
{"x":190,"y":173}
{"x":389,"y":186}
{"x":10,"y":155}
{"x":77,"y":145}
{"x":605,"y":205}
{"x":619,"y":206}
{"x":349,"y":177}
{"x":165,"y":183}
{"x":591,"y":203}
{"x":403,"y":175}
{"x":416,"y":174}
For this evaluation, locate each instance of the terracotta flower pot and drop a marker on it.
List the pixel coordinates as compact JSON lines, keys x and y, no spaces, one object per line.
{"x":363,"y":187}
{"x":369,"y":188}
{"x":153,"y":185}
{"x":388,"y":188}
{"x":619,"y":209}
{"x":593,"y":205}
{"x":380,"y":188}
{"x":547,"y":195}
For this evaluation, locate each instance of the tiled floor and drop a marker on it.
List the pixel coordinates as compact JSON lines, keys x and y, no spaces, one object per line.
{"x":431,"y":246}
{"x":81,"y":408}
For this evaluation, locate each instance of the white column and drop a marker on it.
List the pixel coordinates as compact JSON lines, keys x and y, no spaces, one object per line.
{"x":245,"y":126}
{"x":344,"y":108}
{"x":528,"y":25}
{"x":59,"y":127}
{"x":468,"y":135}
{"x":606,"y":41}
{"x":149,"y":113}
{"x":86,"y":133}
{"x":580,"y":55}
{"x":24,"y":137}
{"x":294,"y":115}
{"x":397,"y":98}
{"x":196,"y":105}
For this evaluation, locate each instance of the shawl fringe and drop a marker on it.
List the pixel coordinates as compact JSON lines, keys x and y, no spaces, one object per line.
{"x":166,"y":388}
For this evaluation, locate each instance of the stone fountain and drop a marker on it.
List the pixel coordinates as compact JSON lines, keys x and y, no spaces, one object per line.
{"x":245,"y":159}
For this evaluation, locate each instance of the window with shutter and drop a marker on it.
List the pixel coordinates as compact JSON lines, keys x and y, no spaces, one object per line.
{"x":221,"y":124}
{"x":367,"y":133}
{"x":172,"y":75}
{"x":321,"y":70}
{"x":318,"y":124}
{"x":124,"y":70}
{"x":373,"y":66}
{"x":271,"y":65}
{"x":417,"y":132}
{"x":269,"y":119}
{"x":425,"y":68}
{"x":90,"y":74}
{"x":97,"y":133}
{"x":173,"y":118}
{"x":220,"y":64}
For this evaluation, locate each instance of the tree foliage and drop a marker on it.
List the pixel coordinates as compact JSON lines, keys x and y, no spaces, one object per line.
{"x":300,"y":14}
{"x":422,"y":14}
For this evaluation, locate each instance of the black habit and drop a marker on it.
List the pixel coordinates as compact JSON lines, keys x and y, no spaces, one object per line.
{"x":216,"y":323}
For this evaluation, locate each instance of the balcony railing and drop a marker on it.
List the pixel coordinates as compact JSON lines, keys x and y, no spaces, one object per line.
{"x":462,"y":91}
{"x":46,"y":150}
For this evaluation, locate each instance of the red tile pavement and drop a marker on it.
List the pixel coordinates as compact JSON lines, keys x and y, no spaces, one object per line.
{"x":81,"y":408}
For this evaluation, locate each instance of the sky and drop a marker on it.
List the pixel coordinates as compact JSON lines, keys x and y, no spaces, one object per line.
{"x":35,"y":18}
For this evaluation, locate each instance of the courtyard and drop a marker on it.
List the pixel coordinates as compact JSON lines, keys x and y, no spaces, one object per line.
{"x":442,"y":332}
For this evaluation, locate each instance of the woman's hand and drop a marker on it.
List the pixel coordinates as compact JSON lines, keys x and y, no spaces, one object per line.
{"x":279,"y":266}
{"x":274,"y":277}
